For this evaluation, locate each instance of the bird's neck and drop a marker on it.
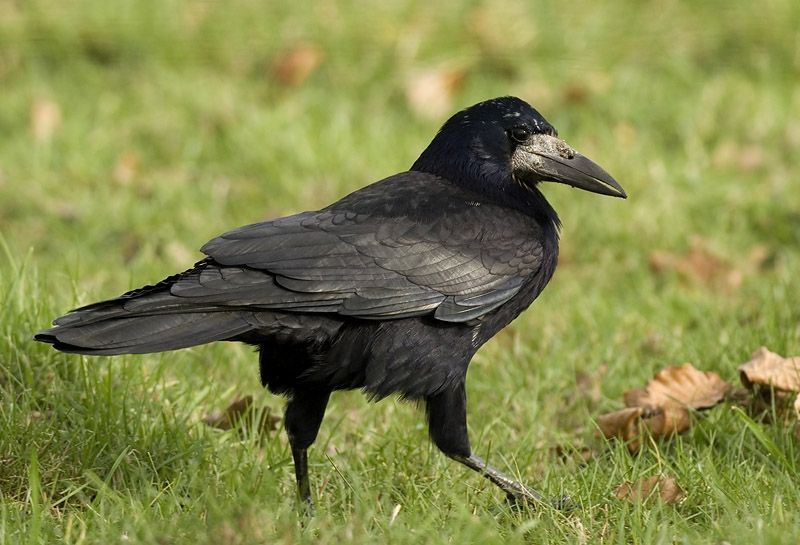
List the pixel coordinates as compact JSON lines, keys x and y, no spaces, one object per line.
{"x":496,"y":185}
{"x":536,"y":205}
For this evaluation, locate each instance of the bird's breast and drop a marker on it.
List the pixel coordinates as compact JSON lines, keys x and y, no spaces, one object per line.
{"x":493,"y":322}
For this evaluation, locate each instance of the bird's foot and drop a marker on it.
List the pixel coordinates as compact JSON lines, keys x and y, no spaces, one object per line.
{"x":519,"y":495}
{"x":305,"y":508}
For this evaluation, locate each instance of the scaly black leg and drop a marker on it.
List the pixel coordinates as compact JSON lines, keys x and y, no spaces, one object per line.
{"x":514,"y":490}
{"x":447,"y":421}
{"x":304,"y":414}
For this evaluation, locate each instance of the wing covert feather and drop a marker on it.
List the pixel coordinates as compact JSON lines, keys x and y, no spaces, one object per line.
{"x":367,"y":256}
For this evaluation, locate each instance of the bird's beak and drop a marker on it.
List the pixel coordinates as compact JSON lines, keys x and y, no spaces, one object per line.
{"x":545,"y":158}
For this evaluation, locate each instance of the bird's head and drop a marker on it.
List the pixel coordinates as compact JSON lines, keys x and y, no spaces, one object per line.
{"x":506,"y":140}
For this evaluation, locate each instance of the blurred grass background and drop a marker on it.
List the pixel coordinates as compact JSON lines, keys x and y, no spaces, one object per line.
{"x":132,"y":132}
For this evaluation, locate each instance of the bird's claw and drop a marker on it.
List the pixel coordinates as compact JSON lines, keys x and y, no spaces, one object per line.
{"x":520,"y":495}
{"x":305,"y":508}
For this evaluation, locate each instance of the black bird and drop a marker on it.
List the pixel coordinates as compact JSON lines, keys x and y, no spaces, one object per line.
{"x":391,"y":289}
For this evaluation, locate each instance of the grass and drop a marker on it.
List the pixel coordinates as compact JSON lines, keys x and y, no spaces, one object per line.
{"x":172,"y":130}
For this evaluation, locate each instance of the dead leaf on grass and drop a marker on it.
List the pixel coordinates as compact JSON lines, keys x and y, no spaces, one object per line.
{"x":766,"y":368}
{"x":740,"y":156}
{"x":659,"y":487}
{"x":126,"y":168}
{"x":429,"y":93}
{"x":622,"y":424}
{"x":180,"y":254}
{"x":293,"y":66}
{"x":661,"y":409}
{"x":703,"y":266}
{"x":683,"y":385}
{"x":45,"y":119}
{"x":241,"y":414}
{"x":632,"y":424}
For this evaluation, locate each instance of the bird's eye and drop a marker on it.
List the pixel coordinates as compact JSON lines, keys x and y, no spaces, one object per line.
{"x":520,"y":134}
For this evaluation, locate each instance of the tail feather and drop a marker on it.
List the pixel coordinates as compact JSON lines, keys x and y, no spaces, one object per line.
{"x":145,"y":334}
{"x":146,"y":320}
{"x":156,"y":318}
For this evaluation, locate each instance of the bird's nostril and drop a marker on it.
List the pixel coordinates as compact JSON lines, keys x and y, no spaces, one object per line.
{"x":564,"y":150}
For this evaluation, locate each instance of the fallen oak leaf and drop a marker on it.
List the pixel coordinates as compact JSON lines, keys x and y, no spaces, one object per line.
{"x":126,"y":168}
{"x":682,"y":385}
{"x":741,"y":156}
{"x":698,"y":265}
{"x":429,"y":93}
{"x":622,"y":424}
{"x":633,"y":423}
{"x":769,"y":369}
{"x":656,"y":487}
{"x":241,"y":414}
{"x":292,"y":67}
{"x":227,"y":419}
{"x":661,"y":409}
{"x":45,"y":120}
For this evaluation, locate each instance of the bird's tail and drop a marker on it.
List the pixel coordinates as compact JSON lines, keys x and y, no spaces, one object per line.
{"x":141,"y":334}
{"x":147,"y":320}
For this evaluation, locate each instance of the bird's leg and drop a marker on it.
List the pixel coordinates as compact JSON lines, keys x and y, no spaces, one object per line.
{"x":515,"y":491}
{"x":304,"y":414}
{"x":447,"y":421}
{"x":300,"y":457}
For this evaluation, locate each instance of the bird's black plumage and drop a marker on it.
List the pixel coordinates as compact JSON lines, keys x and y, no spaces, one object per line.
{"x":391,"y":289}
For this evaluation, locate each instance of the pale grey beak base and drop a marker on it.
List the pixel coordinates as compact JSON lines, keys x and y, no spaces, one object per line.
{"x":546,"y":158}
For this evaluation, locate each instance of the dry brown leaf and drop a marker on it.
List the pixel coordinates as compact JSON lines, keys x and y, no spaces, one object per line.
{"x":680,"y":385}
{"x":622,"y":424}
{"x":632,"y":424}
{"x":656,"y":487}
{"x":292,"y":67}
{"x":661,"y":409}
{"x":45,"y":120}
{"x":227,"y":419}
{"x":769,"y":369}
{"x":179,"y":253}
{"x":667,"y":421}
{"x":242,"y":414}
{"x":701,"y":265}
{"x":698,"y":265}
{"x":126,"y":168}
{"x":429,"y":93}
{"x":576,"y":92}
{"x":742,"y":157}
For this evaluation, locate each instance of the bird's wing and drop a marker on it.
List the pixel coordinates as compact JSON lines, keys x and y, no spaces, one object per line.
{"x":410,"y":245}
